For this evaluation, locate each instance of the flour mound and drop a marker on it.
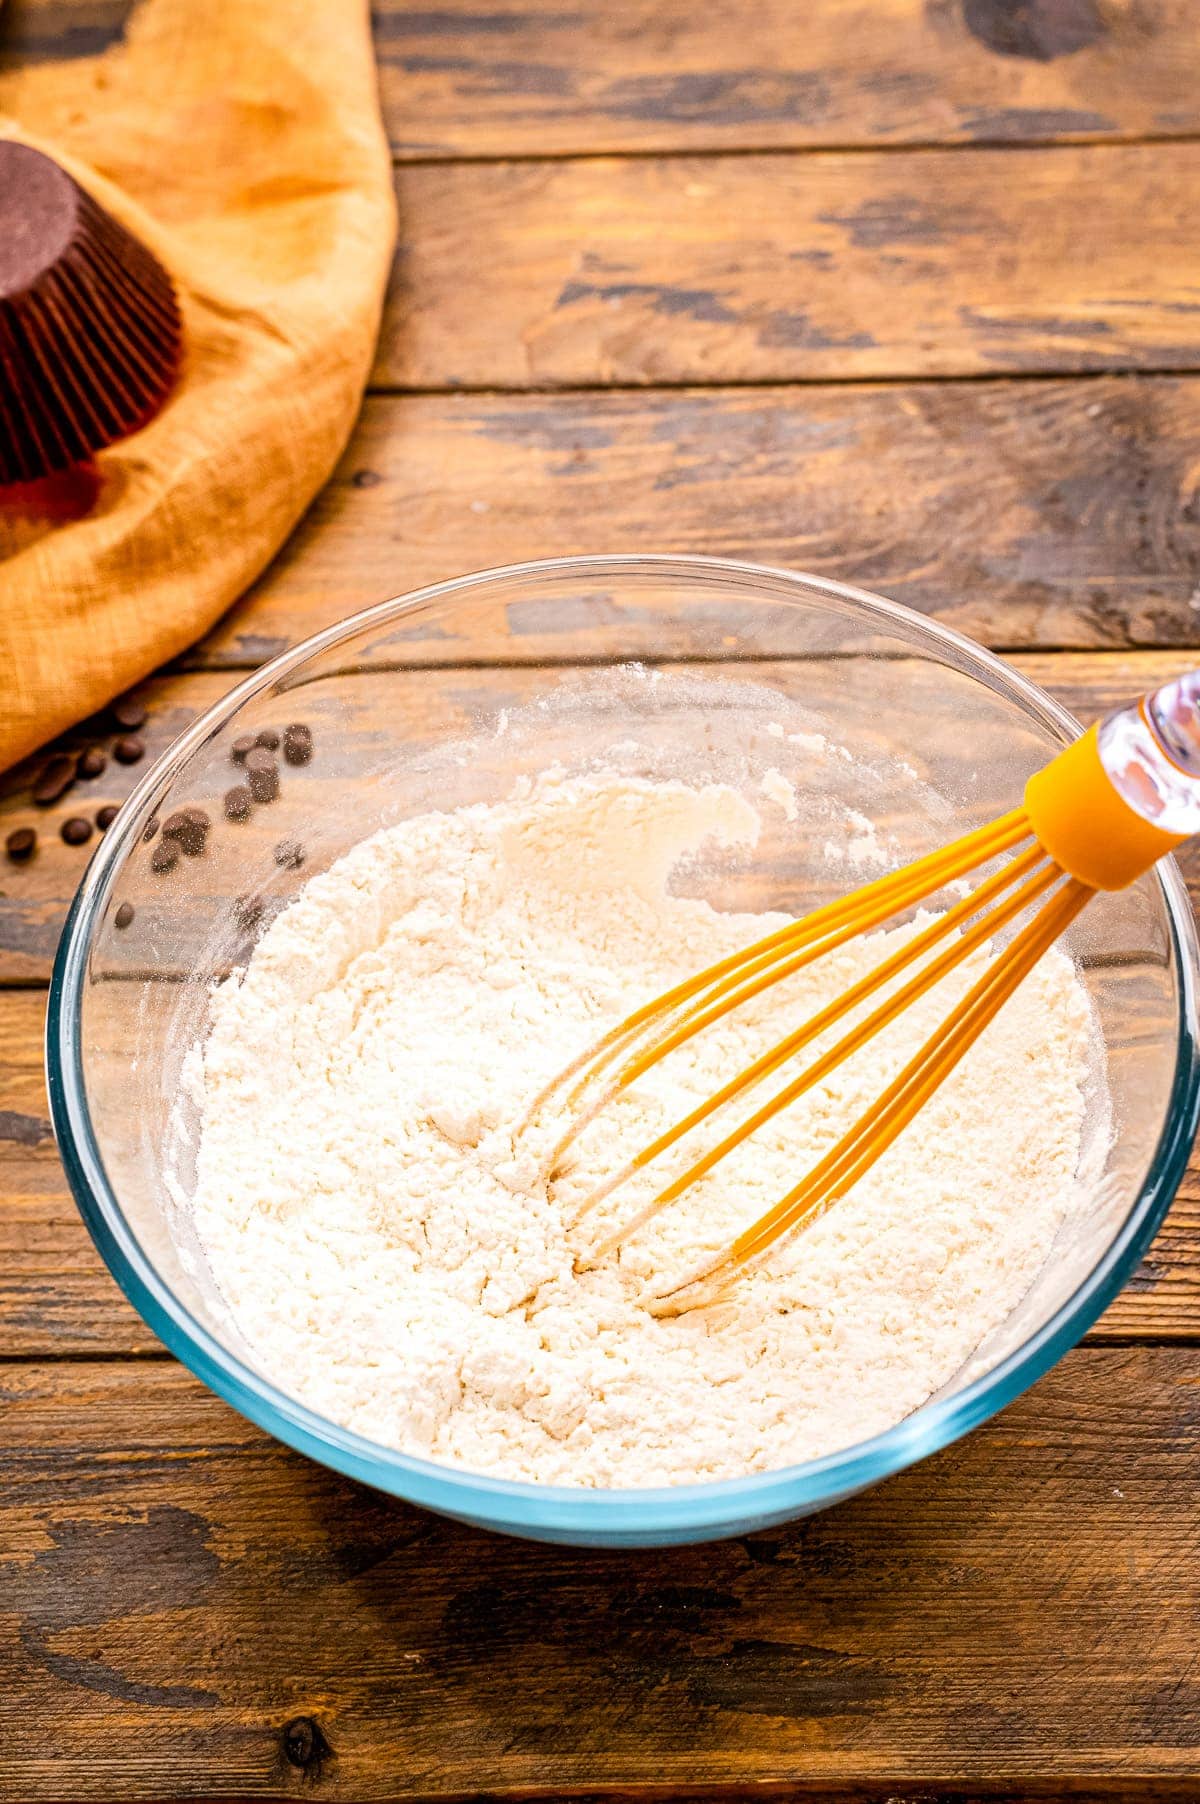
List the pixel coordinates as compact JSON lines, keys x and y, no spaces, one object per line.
{"x":390,"y":1253}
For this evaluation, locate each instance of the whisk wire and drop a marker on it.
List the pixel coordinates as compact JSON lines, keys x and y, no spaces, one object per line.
{"x":1036,"y":884}
{"x":872,"y":1134}
{"x":1098,"y":816}
{"x":862,"y":923}
{"x":726,"y":985}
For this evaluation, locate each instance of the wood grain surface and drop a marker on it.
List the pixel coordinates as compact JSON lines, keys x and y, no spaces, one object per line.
{"x":897,"y":291}
{"x":540,"y":77}
{"x":55,"y":1296}
{"x":197,"y":1601}
{"x":832,"y":266}
{"x":57,"y":1299}
{"x":549,"y":77}
{"x":34,"y":897}
{"x":1032,"y":515}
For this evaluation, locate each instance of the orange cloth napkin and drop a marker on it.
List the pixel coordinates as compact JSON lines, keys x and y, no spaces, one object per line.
{"x":243,"y":143}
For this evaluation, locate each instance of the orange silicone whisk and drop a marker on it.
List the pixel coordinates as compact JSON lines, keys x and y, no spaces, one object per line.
{"x":1096,"y":818}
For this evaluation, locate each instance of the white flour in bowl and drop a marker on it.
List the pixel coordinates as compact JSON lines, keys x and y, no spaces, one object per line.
{"x":393,"y":1258}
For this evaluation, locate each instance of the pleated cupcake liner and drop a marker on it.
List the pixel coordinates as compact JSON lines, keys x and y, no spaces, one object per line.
{"x":89,"y":350}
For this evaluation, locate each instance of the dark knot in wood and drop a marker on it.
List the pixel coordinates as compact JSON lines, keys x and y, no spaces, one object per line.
{"x":1037,"y":29}
{"x":304,"y":1746}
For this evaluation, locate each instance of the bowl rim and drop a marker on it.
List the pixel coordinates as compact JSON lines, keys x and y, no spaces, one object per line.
{"x":583,"y":1514}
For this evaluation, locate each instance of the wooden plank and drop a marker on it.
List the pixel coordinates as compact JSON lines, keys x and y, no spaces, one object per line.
{"x":34,"y":897}
{"x":58,"y":1300}
{"x":782,"y":268}
{"x":178,"y":1591}
{"x":538,"y":78}
{"x":54,"y":1294}
{"x":1028,"y":514}
{"x":532,"y":77}
{"x":51,"y":31}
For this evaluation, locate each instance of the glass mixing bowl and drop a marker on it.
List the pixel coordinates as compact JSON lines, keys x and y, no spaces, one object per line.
{"x":404,"y":716}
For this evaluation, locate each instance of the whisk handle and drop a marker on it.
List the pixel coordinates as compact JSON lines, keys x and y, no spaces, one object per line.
{"x":1125,"y":794}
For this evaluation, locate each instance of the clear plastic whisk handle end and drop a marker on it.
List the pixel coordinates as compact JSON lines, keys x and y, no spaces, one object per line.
{"x":1150,"y":751}
{"x":1119,"y":799}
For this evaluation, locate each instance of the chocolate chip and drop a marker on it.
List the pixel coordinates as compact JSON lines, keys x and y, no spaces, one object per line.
{"x":123,"y":915}
{"x":76,"y":830}
{"x":106,"y":816}
{"x":150,"y":829}
{"x":129,"y":750}
{"x":241,"y":748}
{"x":248,"y":912}
{"x":267,"y":738}
{"x":57,"y":776}
{"x":188,"y":827}
{"x":289,"y":854}
{"x":297,"y":743}
{"x":128,"y":712}
{"x":237,"y":803}
{"x":92,"y":763}
{"x":186,"y":818}
{"x":165,"y":856}
{"x":262,"y":774}
{"x":21,"y":844}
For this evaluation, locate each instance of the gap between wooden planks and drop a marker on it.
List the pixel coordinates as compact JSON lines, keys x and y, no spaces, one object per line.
{"x":537,"y":77}
{"x":54,"y":1295}
{"x":179,"y":1588}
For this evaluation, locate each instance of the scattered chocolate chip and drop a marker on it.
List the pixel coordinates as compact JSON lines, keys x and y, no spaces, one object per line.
{"x":268,"y":738}
{"x":248,"y":912}
{"x":150,"y":829}
{"x":289,"y":854}
{"x":21,"y":844}
{"x":188,"y":827}
{"x":165,"y":856}
{"x":241,"y":748}
{"x":92,"y":763}
{"x":297,"y":743}
{"x":366,"y":479}
{"x":123,"y":915}
{"x":129,"y":713}
{"x":76,"y":830}
{"x":237,"y":803}
{"x":129,"y":749}
{"x":106,"y":816}
{"x":262,"y":774}
{"x":57,"y":776}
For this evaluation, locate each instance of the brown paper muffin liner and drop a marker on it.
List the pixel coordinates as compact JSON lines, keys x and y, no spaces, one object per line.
{"x":90,"y":334}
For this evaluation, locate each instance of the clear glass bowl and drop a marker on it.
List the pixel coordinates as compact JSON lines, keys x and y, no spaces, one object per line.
{"x":944,"y":736}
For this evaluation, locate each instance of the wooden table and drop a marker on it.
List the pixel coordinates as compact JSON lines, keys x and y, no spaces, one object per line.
{"x":902,"y":291}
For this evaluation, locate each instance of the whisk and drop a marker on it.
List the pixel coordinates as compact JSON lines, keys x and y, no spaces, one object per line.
{"x":1095,"y":818}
